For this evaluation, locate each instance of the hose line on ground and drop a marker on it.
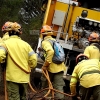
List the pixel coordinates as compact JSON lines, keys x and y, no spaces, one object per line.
{"x":50,"y":88}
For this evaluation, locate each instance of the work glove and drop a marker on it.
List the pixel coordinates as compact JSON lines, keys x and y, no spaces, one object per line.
{"x":44,"y":68}
{"x":45,"y":65}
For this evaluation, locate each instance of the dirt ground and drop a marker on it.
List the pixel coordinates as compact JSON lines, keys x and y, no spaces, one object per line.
{"x":40,"y":94}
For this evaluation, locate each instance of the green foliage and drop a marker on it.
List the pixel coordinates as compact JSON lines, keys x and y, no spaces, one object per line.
{"x":9,"y":10}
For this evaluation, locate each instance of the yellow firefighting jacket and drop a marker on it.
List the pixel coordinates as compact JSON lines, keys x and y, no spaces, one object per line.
{"x":5,"y":36}
{"x":22,"y":54}
{"x":87,"y":72}
{"x":53,"y":68}
{"x":92,"y":52}
{"x":0,"y":39}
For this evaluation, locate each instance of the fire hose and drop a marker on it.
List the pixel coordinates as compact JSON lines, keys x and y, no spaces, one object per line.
{"x":50,"y":88}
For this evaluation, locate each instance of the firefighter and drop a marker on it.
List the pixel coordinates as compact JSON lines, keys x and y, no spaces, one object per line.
{"x":92,"y":51}
{"x":87,"y":73}
{"x":20,"y":58}
{"x":55,"y":70}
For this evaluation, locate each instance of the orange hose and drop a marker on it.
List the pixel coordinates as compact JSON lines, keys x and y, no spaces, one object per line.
{"x":31,"y":87}
{"x":50,"y":84}
{"x":50,"y":88}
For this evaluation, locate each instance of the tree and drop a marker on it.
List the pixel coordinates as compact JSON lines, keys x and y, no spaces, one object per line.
{"x":9,"y":11}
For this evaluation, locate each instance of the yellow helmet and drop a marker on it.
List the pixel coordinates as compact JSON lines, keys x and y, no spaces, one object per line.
{"x":46,"y":30}
{"x":17,"y":27}
{"x":7,"y":26}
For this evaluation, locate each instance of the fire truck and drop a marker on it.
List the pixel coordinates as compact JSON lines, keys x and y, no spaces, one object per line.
{"x":72,"y":22}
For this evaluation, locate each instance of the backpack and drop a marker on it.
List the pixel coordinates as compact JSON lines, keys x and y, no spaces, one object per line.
{"x":59,"y":55}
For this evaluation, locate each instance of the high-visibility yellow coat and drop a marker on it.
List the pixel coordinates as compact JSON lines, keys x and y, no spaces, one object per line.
{"x":22,"y":54}
{"x":87,"y":72}
{"x":5,"y":36}
{"x":92,"y":52}
{"x":53,"y":68}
